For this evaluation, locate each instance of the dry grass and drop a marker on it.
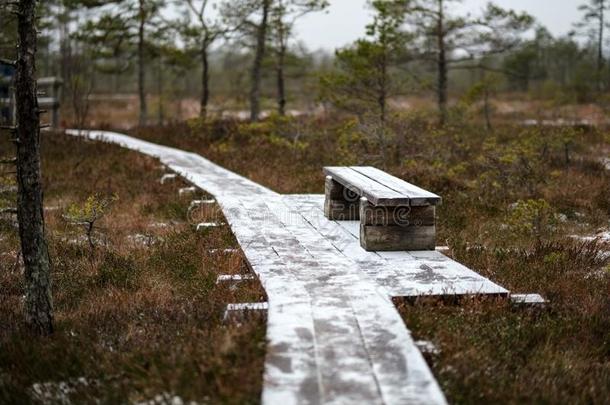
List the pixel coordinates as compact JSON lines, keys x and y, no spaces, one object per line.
{"x":118,"y":314}
{"x":140,"y":316}
{"x":489,"y":352}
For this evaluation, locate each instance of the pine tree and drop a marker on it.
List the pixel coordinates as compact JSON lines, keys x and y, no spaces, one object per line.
{"x":284,"y":14}
{"x":38,"y":300}
{"x":122,"y":33}
{"x":447,"y":39}
{"x":594,"y":23}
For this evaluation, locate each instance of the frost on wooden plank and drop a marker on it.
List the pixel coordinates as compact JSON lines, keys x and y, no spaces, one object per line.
{"x":241,"y":311}
{"x":198,"y":203}
{"x":402,"y":274}
{"x":223,"y":251}
{"x":206,"y":225}
{"x":333,"y":332}
{"x":234,"y":278}
{"x":167,"y":177}
{"x":527,"y":299}
{"x":187,"y":190}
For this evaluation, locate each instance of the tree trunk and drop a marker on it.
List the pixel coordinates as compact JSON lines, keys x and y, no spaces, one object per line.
{"x":487,"y":110}
{"x":141,"y":70}
{"x":161,"y":115}
{"x":38,"y":302}
{"x":600,"y":46}
{"x":65,"y":51}
{"x":383,"y":89}
{"x":281,"y":86}
{"x":261,"y":41}
{"x":205,"y":80}
{"x":442,"y":66}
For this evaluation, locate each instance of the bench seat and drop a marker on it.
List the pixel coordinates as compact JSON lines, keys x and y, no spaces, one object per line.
{"x":381,"y":188}
{"x":394,"y":214}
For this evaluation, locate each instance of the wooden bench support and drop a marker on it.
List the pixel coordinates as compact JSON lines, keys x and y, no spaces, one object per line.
{"x":394,"y":215}
{"x":341,"y":203}
{"x":384,"y":228}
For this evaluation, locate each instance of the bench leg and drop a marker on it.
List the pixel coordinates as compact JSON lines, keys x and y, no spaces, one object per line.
{"x":340,"y":204}
{"x":397,"y":228}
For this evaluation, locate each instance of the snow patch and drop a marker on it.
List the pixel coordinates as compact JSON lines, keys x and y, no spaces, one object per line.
{"x":602,"y":236}
{"x":143,"y":240}
{"x":427,"y":347}
{"x":8,"y":189}
{"x":166,"y":399}
{"x":57,"y":392}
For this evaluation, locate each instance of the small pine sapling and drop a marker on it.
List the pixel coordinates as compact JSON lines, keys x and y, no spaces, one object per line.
{"x":87,"y":215}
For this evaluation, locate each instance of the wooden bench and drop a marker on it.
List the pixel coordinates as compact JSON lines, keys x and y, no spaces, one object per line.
{"x":394,"y":215}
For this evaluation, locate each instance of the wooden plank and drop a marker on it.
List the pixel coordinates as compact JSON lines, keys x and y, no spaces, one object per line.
{"x":401,"y":274}
{"x":397,"y":238}
{"x":339,"y":203}
{"x":417,"y":195}
{"x":234,"y":278}
{"x":242,"y":311}
{"x":396,"y":228}
{"x":338,"y":343}
{"x":528,"y":300}
{"x":400,"y":374}
{"x":291,"y":372}
{"x":403,"y":216}
{"x":376,"y":193}
{"x":381,"y":188}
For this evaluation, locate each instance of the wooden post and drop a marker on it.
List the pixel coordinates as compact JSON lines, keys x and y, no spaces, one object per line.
{"x":397,"y":228}
{"x":341,"y":203}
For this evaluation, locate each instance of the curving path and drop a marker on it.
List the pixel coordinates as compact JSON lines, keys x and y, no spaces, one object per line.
{"x":334,"y":335}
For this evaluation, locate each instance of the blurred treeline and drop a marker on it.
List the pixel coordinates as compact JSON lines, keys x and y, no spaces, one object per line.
{"x":245,"y":55}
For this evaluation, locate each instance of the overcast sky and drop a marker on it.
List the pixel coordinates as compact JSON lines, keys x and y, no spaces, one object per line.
{"x":345,"y":20}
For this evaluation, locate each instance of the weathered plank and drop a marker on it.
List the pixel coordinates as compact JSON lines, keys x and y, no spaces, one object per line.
{"x":362,"y":185}
{"x":403,"y":216}
{"x":234,"y":278}
{"x":341,"y":204}
{"x":402,"y":274}
{"x":528,"y":300}
{"x":397,"y":238}
{"x":400,"y":371}
{"x":396,"y":228}
{"x":381,"y":188}
{"x":240,"y":311}
{"x":417,"y":195}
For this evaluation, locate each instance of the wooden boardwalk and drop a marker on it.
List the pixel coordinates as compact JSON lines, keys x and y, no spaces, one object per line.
{"x":334,"y":335}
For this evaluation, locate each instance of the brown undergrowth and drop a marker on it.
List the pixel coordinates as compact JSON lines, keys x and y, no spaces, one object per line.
{"x":513,"y":201}
{"x":139,"y":317}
